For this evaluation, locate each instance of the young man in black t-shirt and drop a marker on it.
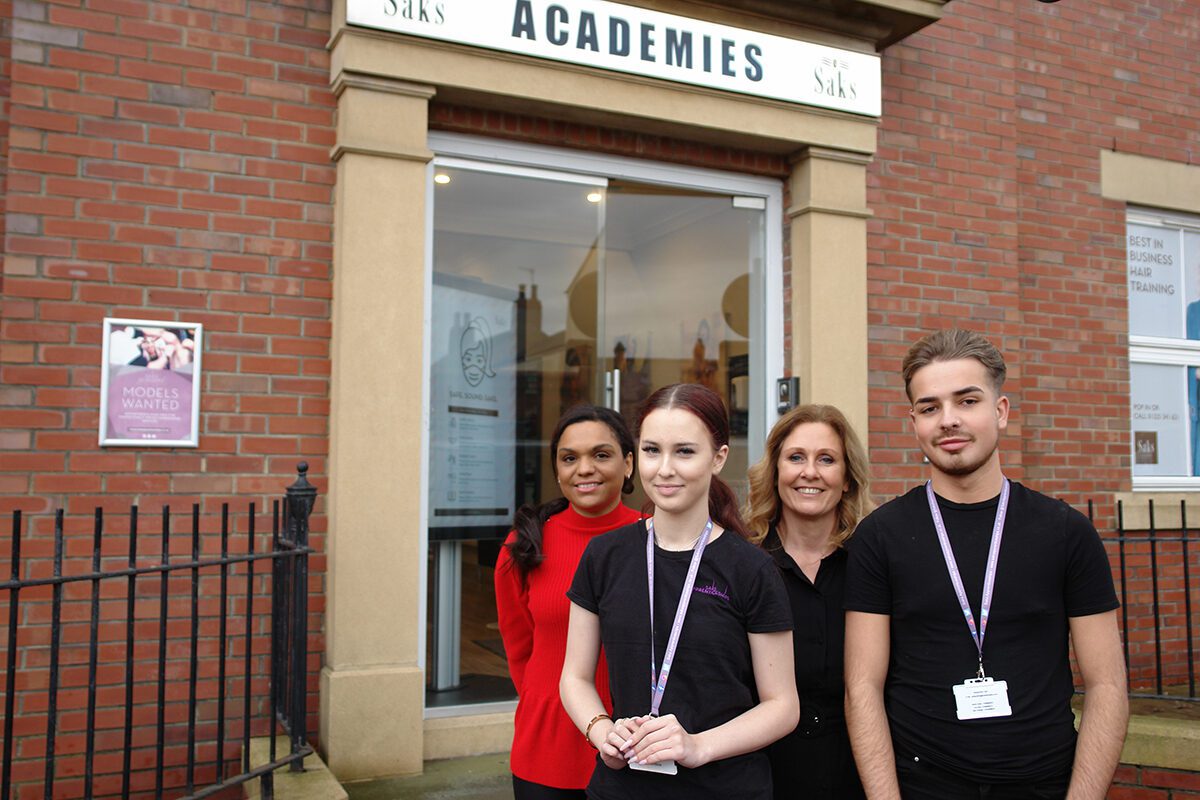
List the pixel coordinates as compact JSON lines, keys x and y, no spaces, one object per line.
{"x":960,"y":599}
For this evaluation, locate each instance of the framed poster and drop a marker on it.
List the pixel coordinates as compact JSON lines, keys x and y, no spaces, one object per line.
{"x":473,"y":392}
{"x":150,"y":383}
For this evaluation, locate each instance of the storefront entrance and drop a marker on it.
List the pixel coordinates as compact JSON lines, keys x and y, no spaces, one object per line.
{"x":560,"y":278}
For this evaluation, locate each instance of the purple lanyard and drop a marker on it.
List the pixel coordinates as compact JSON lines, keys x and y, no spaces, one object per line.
{"x":658,"y":680}
{"x":989,"y":577}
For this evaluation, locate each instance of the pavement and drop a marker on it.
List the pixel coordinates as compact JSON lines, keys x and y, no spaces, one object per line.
{"x":472,"y":778}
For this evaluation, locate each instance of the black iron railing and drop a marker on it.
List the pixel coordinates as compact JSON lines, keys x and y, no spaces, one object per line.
{"x":239,"y":580}
{"x":1154,"y":578}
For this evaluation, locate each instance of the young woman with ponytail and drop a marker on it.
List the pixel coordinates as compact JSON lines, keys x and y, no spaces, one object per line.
{"x":685,"y":592}
{"x":592,"y":452}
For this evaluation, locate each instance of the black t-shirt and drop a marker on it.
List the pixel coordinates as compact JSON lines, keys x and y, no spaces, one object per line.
{"x":737,"y":592}
{"x":1052,"y":566}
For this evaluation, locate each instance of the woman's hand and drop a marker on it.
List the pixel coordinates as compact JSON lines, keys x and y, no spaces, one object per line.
{"x":660,"y":739}
{"x":618,"y":733}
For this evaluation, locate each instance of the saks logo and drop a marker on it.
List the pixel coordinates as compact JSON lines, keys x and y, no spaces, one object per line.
{"x":416,"y":10}
{"x":1145,"y":447}
{"x":832,"y":79}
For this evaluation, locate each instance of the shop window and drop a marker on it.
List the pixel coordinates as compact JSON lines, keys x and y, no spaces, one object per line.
{"x":1163,"y":260}
{"x":571,"y":279}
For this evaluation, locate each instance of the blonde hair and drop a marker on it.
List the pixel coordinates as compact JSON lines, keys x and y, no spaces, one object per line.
{"x":763,"y":506}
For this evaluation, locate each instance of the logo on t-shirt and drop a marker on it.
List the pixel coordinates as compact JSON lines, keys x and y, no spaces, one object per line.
{"x":712,"y":589}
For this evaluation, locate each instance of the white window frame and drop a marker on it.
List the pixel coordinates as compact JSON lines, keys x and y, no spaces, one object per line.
{"x":1161,"y":350}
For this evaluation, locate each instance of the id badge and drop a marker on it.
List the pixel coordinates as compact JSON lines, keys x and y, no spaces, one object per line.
{"x":662,"y":767}
{"x":980,"y":698}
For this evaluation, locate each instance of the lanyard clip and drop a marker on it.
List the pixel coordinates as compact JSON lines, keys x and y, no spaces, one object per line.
{"x":980,"y":674}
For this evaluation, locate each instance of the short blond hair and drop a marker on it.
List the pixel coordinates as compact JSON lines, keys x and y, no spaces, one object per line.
{"x":951,"y":345}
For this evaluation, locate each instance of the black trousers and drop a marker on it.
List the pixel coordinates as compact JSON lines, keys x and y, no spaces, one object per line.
{"x":524,"y":790}
{"x":920,"y":780}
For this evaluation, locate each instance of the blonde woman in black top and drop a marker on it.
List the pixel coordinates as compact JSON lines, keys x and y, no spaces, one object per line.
{"x":807,"y":494}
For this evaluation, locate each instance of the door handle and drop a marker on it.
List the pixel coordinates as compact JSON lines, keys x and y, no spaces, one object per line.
{"x":612,"y":389}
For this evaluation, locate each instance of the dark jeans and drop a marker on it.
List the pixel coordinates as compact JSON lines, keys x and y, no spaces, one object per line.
{"x":524,"y":790}
{"x":920,"y":780}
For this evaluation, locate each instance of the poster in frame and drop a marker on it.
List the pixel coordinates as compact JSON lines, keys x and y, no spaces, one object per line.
{"x":150,"y":383}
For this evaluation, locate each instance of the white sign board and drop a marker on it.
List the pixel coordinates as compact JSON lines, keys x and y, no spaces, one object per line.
{"x":472,"y":408}
{"x":1161,"y":424}
{"x":1155,"y":282}
{"x":612,"y":36}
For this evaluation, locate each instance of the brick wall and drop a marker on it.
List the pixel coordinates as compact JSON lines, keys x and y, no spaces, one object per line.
{"x":1150,"y":783}
{"x":988,"y":214}
{"x":172,"y":161}
{"x":161,"y":161}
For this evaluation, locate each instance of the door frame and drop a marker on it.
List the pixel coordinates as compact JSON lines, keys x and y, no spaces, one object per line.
{"x":517,"y":158}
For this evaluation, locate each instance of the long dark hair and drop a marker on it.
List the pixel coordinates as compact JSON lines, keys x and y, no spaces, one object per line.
{"x":707,"y":406}
{"x":526,"y":547}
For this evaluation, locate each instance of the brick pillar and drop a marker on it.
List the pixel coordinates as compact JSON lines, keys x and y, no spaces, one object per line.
{"x":372,"y":686}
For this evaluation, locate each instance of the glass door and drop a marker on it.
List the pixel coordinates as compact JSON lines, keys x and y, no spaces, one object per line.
{"x":681,"y":267}
{"x":549,"y":289}
{"x":516,"y":275}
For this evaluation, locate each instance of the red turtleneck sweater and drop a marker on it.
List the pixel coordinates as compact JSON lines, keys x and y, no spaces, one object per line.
{"x":547,"y":748}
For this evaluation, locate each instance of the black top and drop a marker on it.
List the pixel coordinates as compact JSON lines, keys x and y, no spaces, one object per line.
{"x":815,"y":758}
{"x":737,"y":592}
{"x":818,"y":635}
{"x":1052,"y":566}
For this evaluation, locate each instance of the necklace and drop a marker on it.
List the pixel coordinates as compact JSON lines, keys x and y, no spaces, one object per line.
{"x":686,"y":547}
{"x":683,"y":549}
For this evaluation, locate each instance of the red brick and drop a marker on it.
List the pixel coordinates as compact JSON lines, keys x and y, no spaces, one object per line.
{"x":136,"y":234}
{"x":39,"y":162}
{"x":103,"y":462}
{"x":78,"y":145}
{"x":149,"y":112}
{"x":178,"y":138}
{"x":46,"y":206}
{"x":69,"y":101}
{"x":1171,"y":779}
{"x":109,"y":252}
{"x":44,"y":120}
{"x":38,"y":246}
{"x":241,"y":303}
{"x":146,"y":276}
{"x":53,"y":484}
{"x":78,"y":229}
{"x":183,"y":56}
{"x":239,"y":263}
{"x":148,"y":155}
{"x":115,"y":87}
{"x":1131,"y":793}
{"x":23,"y":73}
{"x":138,"y":29}
{"x":178,"y":219}
{"x":31,"y":418}
{"x":69,"y":187}
{"x":32,"y":287}
{"x":79,"y":272}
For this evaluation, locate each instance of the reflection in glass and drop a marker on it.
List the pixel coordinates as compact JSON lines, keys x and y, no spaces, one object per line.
{"x":550,"y":290}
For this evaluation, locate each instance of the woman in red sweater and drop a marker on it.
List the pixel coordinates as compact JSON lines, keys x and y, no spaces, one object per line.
{"x":592,"y":452}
